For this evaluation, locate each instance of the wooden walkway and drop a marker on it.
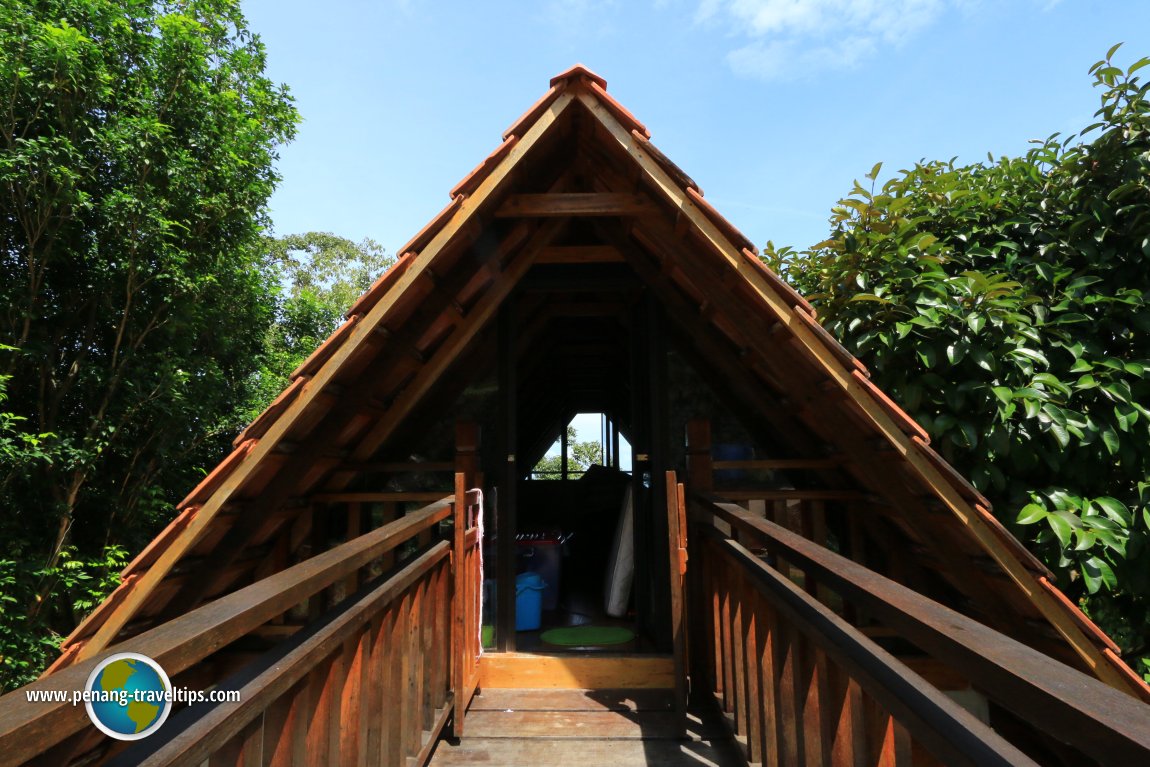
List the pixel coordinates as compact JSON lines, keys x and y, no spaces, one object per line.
{"x":573,"y":728}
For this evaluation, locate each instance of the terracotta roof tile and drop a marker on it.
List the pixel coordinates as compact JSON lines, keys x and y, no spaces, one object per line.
{"x":87,"y":627}
{"x":316,"y":359}
{"x":145,"y":558}
{"x":850,"y":362}
{"x":621,"y":113}
{"x":264,"y":420}
{"x":1141,"y":689}
{"x":959,"y":482}
{"x":737,"y":238}
{"x":533,"y":112}
{"x":666,"y":163}
{"x":419,"y":241}
{"x":905,"y":422}
{"x":781,"y":286}
{"x":1080,"y":618}
{"x":369,"y":299}
{"x":578,"y":72}
{"x":217,"y":476}
{"x":70,"y":649}
{"x":473,"y":179}
{"x":1023,"y":553}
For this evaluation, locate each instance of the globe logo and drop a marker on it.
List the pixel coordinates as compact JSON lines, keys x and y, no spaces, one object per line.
{"x":128,"y":696}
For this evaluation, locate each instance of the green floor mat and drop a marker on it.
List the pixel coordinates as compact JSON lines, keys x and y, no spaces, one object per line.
{"x":587,"y":636}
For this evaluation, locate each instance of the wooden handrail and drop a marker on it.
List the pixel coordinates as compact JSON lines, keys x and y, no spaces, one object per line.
{"x":946,"y":729}
{"x":197,"y":732}
{"x":1103,"y":723}
{"x":27,"y":730}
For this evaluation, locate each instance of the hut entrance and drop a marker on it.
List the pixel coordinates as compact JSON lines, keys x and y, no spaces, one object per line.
{"x":575,"y":544}
{"x":572,"y":553}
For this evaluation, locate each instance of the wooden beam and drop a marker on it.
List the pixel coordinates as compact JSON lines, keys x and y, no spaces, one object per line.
{"x":566,"y":204}
{"x":451,"y":348}
{"x":384,"y":497}
{"x":579,"y":254}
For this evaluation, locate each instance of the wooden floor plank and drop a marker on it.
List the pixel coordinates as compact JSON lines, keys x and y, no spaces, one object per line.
{"x":581,"y":728}
{"x":573,"y":700}
{"x":601,"y":725}
{"x":588,"y":753}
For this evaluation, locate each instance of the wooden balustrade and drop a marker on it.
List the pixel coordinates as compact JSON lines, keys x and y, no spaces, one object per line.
{"x":373,"y":680}
{"x":812,"y":694}
{"x":368,"y":681}
{"x":800,"y":686}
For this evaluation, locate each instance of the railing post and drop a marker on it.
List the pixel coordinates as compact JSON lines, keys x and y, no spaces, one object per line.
{"x":459,"y":603}
{"x":463,"y":591}
{"x":699,"y":469}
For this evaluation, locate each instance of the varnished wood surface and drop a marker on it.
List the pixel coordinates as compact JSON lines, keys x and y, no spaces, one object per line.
{"x":622,"y":728}
{"x":528,"y":671}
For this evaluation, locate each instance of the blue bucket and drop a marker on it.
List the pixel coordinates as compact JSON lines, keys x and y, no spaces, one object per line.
{"x":731,"y":452}
{"x":528,"y":601}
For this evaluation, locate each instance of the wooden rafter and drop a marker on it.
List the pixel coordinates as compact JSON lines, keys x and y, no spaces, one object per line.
{"x":568,"y":204}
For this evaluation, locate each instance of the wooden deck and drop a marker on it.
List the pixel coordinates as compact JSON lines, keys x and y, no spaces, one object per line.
{"x":622,"y":728}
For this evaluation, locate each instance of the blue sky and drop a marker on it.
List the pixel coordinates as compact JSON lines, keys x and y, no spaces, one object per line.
{"x":773,"y":106}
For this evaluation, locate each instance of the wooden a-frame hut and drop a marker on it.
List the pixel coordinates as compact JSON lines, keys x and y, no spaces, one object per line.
{"x":578,"y":270}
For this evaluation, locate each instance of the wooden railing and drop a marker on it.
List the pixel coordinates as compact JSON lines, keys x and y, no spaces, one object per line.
{"x":465,"y":639}
{"x":803,"y":686}
{"x":373,"y":680}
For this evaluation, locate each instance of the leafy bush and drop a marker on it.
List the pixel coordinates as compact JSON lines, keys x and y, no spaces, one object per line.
{"x":1004,"y":304}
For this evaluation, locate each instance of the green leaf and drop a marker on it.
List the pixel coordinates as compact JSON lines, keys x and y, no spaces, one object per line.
{"x":1096,"y":571}
{"x":1031,"y":513}
{"x":1033,"y":354}
{"x":1110,"y":439}
{"x":1062,"y":529}
{"x":982,"y":358}
{"x":976,"y":322}
{"x":869,"y":297}
{"x":1114,"y":509}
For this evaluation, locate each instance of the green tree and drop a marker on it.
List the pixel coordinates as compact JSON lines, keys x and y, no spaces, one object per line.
{"x":580,"y":457}
{"x":138,"y":146}
{"x":320,"y":275}
{"x":1004,"y":305}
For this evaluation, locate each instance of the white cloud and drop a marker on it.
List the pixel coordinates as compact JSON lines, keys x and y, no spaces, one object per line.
{"x":792,"y":37}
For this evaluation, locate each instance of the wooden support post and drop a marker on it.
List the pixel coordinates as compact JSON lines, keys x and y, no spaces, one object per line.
{"x":354,"y":530}
{"x":699,"y":470}
{"x":459,"y":596}
{"x":677,"y":552}
{"x":510,"y":480}
{"x":467,"y":438}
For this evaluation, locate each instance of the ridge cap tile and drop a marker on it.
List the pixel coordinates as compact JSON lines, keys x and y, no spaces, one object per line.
{"x":576,"y":72}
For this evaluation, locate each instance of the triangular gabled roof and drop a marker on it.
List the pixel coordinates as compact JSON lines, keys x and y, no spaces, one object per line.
{"x":577,"y":153}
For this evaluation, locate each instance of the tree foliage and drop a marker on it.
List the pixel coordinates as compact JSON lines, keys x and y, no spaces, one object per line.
{"x":319,"y":276}
{"x":580,"y":457}
{"x":1004,"y":304}
{"x":138,"y":147}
